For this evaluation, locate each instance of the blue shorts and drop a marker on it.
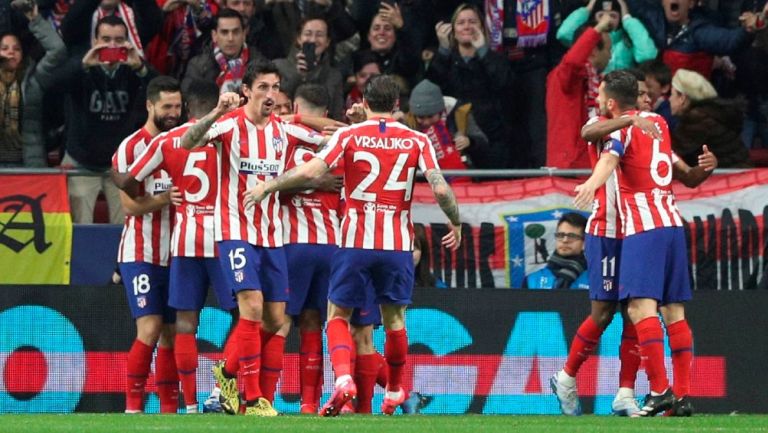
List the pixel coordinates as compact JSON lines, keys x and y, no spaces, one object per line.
{"x":656,"y":266}
{"x":603,"y":264}
{"x":360,"y":277}
{"x":368,"y":315}
{"x":248,"y":267}
{"x":146,"y":287}
{"x":190,"y":279}
{"x":309,"y":270}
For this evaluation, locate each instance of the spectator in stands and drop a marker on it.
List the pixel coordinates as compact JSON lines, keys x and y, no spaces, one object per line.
{"x":572,"y":95}
{"x":454,"y":133}
{"x":283,"y":104}
{"x":658,"y":78}
{"x":22,"y":85}
{"x":703,"y":118}
{"x":567,"y":267}
{"x":685,"y":36}
{"x":184,"y":21}
{"x":289,"y":15}
{"x":630,"y":42}
{"x":298,"y":69}
{"x":100,"y":102}
{"x":391,"y":40}
{"x":751,"y":70}
{"x":224,"y":61}
{"x":143,"y":19}
{"x":365,"y":64}
{"x":466,"y":69}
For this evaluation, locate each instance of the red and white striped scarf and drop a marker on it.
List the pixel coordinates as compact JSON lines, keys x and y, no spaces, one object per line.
{"x":125,"y":13}
{"x":590,"y":96}
{"x":232,"y":70}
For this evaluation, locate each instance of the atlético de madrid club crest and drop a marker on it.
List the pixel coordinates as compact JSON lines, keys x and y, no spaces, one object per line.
{"x":141,"y":301}
{"x":239,"y":276}
{"x":277,"y":144}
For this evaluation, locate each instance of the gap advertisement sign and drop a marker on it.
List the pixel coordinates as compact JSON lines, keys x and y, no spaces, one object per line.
{"x":63,"y":349}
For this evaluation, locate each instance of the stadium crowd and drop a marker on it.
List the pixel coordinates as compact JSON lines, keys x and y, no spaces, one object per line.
{"x":519,"y":77}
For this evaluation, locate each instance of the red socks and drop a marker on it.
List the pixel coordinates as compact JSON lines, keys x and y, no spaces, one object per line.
{"x":249,"y":355}
{"x":629,"y":356}
{"x":185,"y":350}
{"x":651,"y":339}
{"x":138,"y":361}
{"x":395,"y":352}
{"x":382,"y":375}
{"x":167,"y":380}
{"x":231,"y":354}
{"x":587,"y":337}
{"x":339,"y":346}
{"x":366,"y":371}
{"x":272,"y":348}
{"x":681,"y":345}
{"x":311,"y":366}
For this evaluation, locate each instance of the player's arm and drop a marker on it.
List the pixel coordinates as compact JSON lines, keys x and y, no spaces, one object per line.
{"x":196,"y":135}
{"x":126,"y":182}
{"x":447,"y":201}
{"x":148,"y":203}
{"x":294,"y":178}
{"x":694,"y":176}
{"x":594,"y":131}
{"x":585,"y":193}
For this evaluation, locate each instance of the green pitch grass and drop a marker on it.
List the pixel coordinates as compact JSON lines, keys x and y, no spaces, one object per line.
{"x":110,"y":423}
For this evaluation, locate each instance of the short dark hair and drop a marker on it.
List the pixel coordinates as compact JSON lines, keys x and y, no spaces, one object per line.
{"x":362,"y":58}
{"x":381,"y":92}
{"x":658,"y":70}
{"x":256,"y":68}
{"x":315,"y":94}
{"x":575,"y":219}
{"x":162,"y":83}
{"x":580,"y":31}
{"x":111,"y":20}
{"x":621,"y":86}
{"x":639,"y":75}
{"x":228,"y":13}
{"x":202,"y":97}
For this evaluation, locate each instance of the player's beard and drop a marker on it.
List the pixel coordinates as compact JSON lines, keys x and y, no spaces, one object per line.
{"x":267,"y":107}
{"x":166,"y":123}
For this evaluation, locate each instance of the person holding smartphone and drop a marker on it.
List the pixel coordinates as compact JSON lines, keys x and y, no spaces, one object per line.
{"x":22,"y":141}
{"x":310,"y":62}
{"x":102,"y":92}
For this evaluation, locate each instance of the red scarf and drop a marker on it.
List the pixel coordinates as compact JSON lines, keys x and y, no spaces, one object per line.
{"x":447,"y":156}
{"x":232,"y":70}
{"x":532,"y":21}
{"x":590,"y":96}
{"x":494,"y":22}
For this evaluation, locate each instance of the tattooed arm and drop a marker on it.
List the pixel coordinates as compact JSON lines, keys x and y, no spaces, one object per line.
{"x":195,"y":135}
{"x":447,"y":201}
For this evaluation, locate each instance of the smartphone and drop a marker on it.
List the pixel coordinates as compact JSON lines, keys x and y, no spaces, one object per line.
{"x":113,"y":54}
{"x":23,"y":6}
{"x":308,"y":48}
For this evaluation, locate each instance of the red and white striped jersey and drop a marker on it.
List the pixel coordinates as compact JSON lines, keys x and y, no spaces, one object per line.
{"x":146,"y":238}
{"x":647,"y":201}
{"x":246,"y":154}
{"x":605,"y":220}
{"x":196,"y":175}
{"x":309,"y":217}
{"x":380,"y":158}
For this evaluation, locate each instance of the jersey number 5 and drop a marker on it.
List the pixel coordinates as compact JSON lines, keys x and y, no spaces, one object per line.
{"x":393,"y":184}
{"x":191,"y":169}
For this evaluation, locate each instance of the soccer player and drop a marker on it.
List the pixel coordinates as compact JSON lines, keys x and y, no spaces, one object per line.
{"x":654,"y":235}
{"x":691,"y":177}
{"x":374,"y":260}
{"x":252,"y":146}
{"x":143,"y":255}
{"x":195,"y":265}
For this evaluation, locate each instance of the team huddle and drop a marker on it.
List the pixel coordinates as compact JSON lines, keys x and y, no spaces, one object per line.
{"x":347,"y":259}
{"x":257,"y":215}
